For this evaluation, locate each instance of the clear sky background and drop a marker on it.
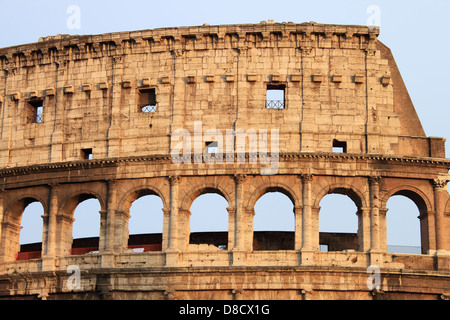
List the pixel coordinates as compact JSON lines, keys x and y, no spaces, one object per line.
{"x":415,"y":31}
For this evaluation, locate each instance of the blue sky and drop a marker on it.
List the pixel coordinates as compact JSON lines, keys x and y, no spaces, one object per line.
{"x":414,"y":30}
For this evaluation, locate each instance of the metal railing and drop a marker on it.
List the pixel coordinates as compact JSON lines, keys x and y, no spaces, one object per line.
{"x":275,"y":104}
{"x":149,"y":108}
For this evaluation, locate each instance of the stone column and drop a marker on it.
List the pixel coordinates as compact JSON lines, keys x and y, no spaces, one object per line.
{"x":240,"y":223}
{"x":364,"y":229}
{"x":239,"y":227}
{"x":375,"y":248}
{"x":184,"y":229}
{"x":10,"y":240}
{"x":110,"y":216}
{"x":64,"y":238}
{"x":103,"y":231}
{"x":383,"y":228}
{"x":107,"y":226}
{"x":307,"y":243}
{"x":298,"y":214}
{"x":165,"y":235}
{"x":49,"y":246}
{"x":307,"y":254}
{"x":440,"y":195}
{"x":121,"y":231}
{"x":231,"y":227}
{"x":172,"y":253}
{"x":374,"y":214}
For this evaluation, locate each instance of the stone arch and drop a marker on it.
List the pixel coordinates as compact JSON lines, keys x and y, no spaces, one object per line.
{"x":143,"y":242}
{"x":17,"y":205}
{"x":191,"y":194}
{"x":11,"y":224}
{"x":416,"y":195}
{"x":423,"y":204}
{"x":272,"y":187}
{"x":340,"y":241}
{"x":356,"y":195}
{"x":263,"y":239}
{"x":71,"y":201}
{"x":138,"y":192}
{"x":199,"y":190}
{"x":65,"y":217}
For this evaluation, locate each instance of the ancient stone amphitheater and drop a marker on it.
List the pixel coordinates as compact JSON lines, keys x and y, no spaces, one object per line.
{"x":179,"y":112}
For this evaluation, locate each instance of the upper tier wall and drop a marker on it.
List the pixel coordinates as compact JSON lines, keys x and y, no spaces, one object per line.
{"x":339,"y":83}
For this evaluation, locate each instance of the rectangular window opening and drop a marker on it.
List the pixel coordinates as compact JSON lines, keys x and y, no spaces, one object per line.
{"x":147,"y":100}
{"x":36,"y":111}
{"x":87,"y":154}
{"x":212,"y":147}
{"x":275,"y":97}
{"x":339,"y":146}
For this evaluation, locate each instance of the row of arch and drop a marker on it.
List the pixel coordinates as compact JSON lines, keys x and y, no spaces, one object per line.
{"x":87,"y":225}
{"x":279,"y":217}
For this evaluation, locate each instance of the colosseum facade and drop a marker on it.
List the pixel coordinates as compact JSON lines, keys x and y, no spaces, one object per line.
{"x":179,"y":112}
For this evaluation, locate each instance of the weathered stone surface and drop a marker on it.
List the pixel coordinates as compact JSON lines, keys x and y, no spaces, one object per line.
{"x":111,"y":107}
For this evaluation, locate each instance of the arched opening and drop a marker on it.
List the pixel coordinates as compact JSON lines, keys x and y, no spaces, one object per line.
{"x":145,"y":226}
{"x":209,"y":220}
{"x":338,"y":223}
{"x":403,"y":227}
{"x":31,"y":233}
{"x":86,"y":226}
{"x":32,"y":224}
{"x":274,"y":222}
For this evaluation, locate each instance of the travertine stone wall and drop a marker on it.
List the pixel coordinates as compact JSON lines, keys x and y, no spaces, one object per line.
{"x":340,"y":83}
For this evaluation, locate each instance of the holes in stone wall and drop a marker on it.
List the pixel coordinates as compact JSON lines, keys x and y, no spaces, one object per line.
{"x":147,"y":100}
{"x":273,"y":222}
{"x":403,"y":234}
{"x":32,"y":224}
{"x":338,"y":223}
{"x":35,"y":111}
{"x":339,"y":146}
{"x":87,"y":154}
{"x":86,"y":226}
{"x":145,"y":225}
{"x":275,"y":96}
{"x":212,"y":147}
{"x":209,"y":214}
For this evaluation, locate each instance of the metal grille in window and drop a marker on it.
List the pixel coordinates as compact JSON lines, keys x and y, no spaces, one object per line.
{"x":37,"y":109}
{"x":147,"y":100}
{"x":149,"y":108}
{"x":275,"y":104}
{"x":38,"y":115}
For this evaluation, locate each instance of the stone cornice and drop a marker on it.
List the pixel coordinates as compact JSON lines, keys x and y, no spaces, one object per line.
{"x":66,"y":47}
{"x":116,"y":162}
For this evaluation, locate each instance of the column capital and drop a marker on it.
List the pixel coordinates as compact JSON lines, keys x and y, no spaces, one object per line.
{"x":111,"y":182}
{"x":173,"y":180}
{"x":374,"y":180}
{"x":239,"y":178}
{"x":439,"y":184}
{"x":231,"y":210}
{"x":306,"y":176}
